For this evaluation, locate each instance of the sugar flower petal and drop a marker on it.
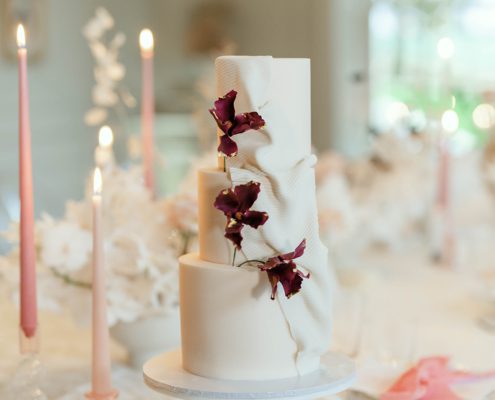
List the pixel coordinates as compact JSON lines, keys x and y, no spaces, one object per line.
{"x":227,"y":202}
{"x":247,"y":194}
{"x":224,"y":107}
{"x":283,"y":269}
{"x":246,"y":121}
{"x":227,"y":146}
{"x":236,"y":204}
{"x":289,"y":277}
{"x":298,"y":252}
{"x":254,"y":218}
{"x":231,"y":124}
{"x":233,"y":232}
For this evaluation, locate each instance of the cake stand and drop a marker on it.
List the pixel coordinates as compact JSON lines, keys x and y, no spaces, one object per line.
{"x":164,"y":374}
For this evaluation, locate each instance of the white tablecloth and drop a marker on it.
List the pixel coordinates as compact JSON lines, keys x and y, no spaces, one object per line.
{"x":401,"y":289}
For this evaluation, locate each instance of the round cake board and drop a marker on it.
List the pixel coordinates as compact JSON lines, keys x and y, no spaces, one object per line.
{"x":164,"y":374}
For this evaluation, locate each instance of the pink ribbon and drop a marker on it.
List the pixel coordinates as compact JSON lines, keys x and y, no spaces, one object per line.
{"x":430,"y":379}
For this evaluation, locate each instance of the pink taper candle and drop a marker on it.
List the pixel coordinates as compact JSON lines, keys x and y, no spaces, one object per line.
{"x":147,"y":106}
{"x":101,"y":382}
{"x":29,"y":312}
{"x":447,"y":255}
{"x":450,"y":124}
{"x":443,"y":197}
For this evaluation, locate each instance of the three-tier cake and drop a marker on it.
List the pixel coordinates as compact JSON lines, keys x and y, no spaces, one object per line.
{"x":234,"y":324}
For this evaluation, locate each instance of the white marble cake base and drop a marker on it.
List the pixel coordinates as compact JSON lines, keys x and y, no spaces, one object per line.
{"x":164,"y":374}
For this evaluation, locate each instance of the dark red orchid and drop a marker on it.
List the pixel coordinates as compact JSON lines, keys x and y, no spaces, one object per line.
{"x":283,"y":269}
{"x":231,"y":124}
{"x":236,"y":204}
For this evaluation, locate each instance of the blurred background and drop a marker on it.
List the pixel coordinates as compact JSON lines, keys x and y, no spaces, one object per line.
{"x":403,"y":123}
{"x":374,"y":65}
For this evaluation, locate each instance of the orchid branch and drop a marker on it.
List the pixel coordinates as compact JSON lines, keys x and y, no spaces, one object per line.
{"x":250,"y":262}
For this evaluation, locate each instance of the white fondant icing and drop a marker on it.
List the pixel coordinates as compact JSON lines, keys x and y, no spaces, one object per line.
{"x":230,"y":327}
{"x":279,"y":157}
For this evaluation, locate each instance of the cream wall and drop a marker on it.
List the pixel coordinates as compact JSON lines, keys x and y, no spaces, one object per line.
{"x":340,"y":45}
{"x":62,"y":80}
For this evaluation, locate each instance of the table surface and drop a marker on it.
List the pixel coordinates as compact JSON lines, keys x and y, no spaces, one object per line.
{"x":440,"y":304}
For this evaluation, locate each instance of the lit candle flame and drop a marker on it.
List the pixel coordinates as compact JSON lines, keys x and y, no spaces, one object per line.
{"x":97,"y":182}
{"x":105,"y":136}
{"x":484,"y":116}
{"x":450,"y":121}
{"x":21,"y":36}
{"x":445,"y":48}
{"x":146,"y":40}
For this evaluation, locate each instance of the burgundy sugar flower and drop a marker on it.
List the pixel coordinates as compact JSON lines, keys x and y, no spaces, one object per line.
{"x":283,"y":269}
{"x":231,"y":124}
{"x":235,"y":204}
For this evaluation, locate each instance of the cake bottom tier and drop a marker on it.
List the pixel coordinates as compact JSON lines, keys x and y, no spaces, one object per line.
{"x":231,"y":329}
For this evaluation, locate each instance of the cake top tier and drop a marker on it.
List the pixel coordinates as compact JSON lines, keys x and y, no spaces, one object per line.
{"x":279,"y":90}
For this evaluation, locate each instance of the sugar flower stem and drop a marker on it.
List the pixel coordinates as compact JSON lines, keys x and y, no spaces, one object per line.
{"x":224,"y":164}
{"x":186,"y":239}
{"x":233,"y":258}
{"x":67,"y":279}
{"x":249,"y":262}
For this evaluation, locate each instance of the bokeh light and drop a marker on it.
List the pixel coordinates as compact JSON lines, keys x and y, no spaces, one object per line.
{"x":450,"y":121}
{"x":396,"y":111}
{"x":445,"y":48}
{"x":484,"y":116}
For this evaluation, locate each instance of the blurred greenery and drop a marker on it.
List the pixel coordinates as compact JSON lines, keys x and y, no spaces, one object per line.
{"x":434,"y":106}
{"x":405,"y":66}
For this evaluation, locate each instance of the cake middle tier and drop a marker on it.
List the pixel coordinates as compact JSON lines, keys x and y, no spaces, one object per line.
{"x":231,"y":329}
{"x":213,"y":246}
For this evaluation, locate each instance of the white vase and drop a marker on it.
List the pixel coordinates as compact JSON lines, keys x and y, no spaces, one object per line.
{"x":148,"y":337}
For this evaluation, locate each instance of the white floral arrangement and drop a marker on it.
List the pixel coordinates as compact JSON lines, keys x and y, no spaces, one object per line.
{"x":142,"y":240}
{"x":109,"y":94}
{"x":380,"y":198}
{"x":383,"y":198}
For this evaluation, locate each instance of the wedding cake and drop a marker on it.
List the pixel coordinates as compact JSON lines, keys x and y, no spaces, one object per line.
{"x":255,"y":300}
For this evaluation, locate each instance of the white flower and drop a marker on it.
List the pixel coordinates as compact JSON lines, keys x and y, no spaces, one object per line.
{"x":118,"y":40}
{"x":95,"y":116}
{"x":126,"y":299}
{"x":64,"y":245}
{"x":93,"y":30}
{"x":164,"y":293}
{"x":126,"y":253}
{"x":337,"y":217}
{"x":101,"y":76}
{"x":105,"y":18}
{"x":391,"y":189}
{"x":98,"y":50}
{"x":116,"y":71}
{"x":104,"y":96}
{"x":79,"y":213}
{"x":182,"y":211}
